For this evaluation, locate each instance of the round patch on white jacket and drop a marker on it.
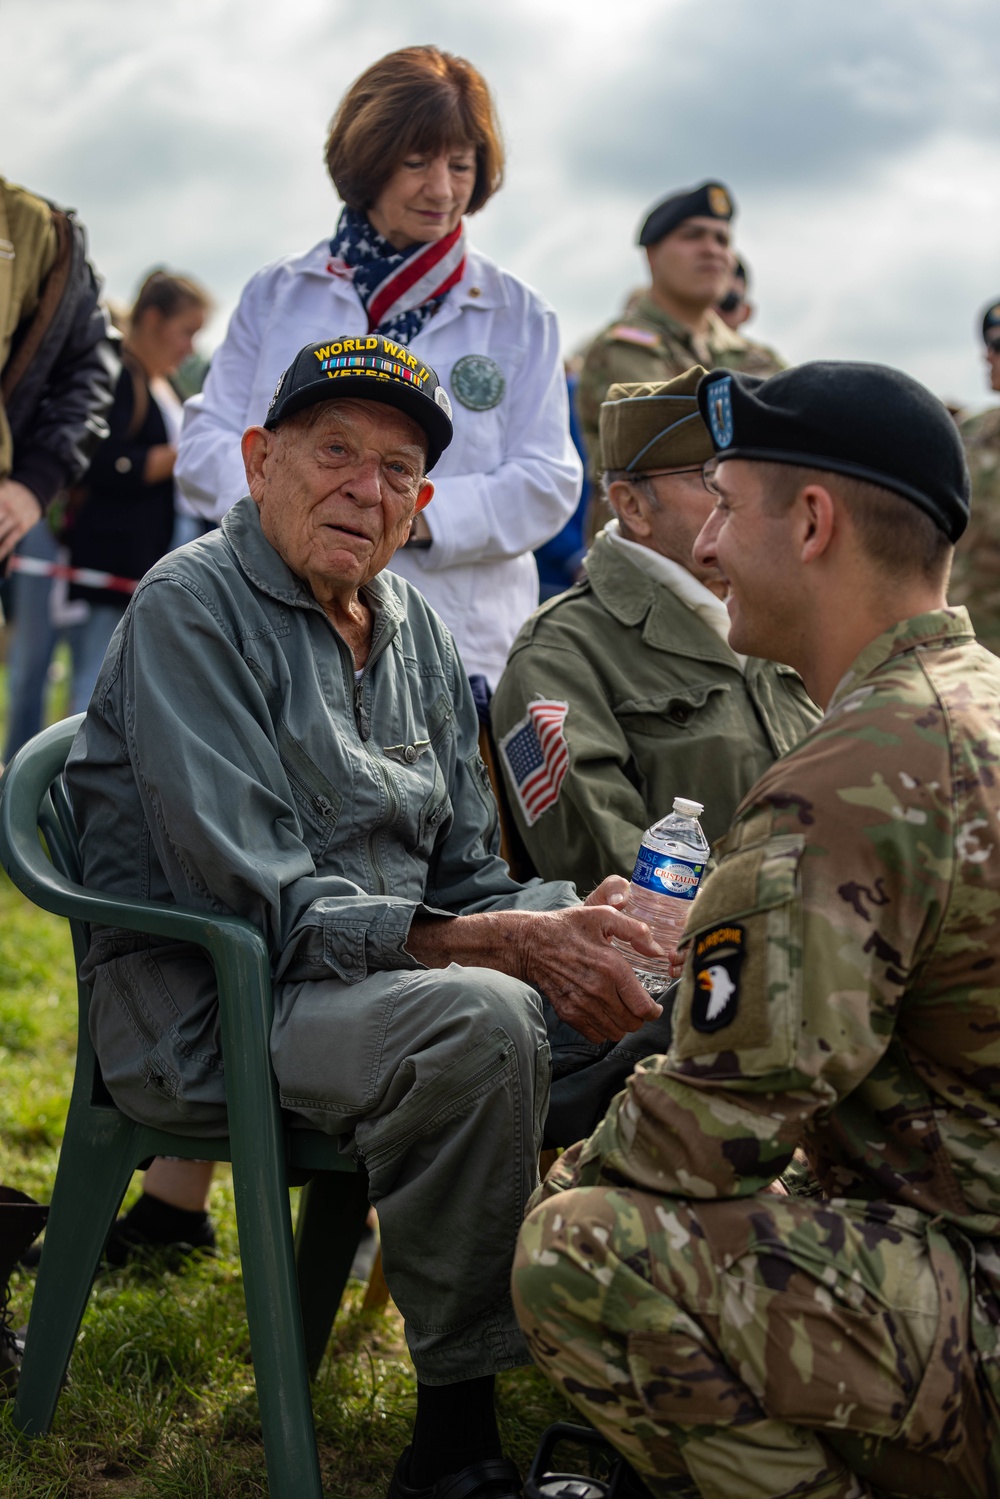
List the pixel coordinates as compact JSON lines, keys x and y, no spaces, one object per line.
{"x":478,"y":382}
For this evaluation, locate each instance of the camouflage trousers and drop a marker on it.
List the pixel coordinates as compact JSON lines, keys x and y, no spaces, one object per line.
{"x":762,"y":1347}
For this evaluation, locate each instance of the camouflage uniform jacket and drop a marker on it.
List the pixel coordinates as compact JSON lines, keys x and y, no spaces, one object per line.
{"x":646,"y":343}
{"x":841,"y":987}
{"x":658,"y":707}
{"x":975,"y":576}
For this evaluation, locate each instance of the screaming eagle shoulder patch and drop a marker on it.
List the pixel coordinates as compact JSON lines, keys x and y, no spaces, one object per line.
{"x":717,"y":959}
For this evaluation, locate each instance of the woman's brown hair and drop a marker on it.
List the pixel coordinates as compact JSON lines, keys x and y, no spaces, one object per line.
{"x":417,"y":99}
{"x":168,"y":294}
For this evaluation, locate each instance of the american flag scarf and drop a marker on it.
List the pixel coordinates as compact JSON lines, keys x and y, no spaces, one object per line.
{"x":400,"y":289}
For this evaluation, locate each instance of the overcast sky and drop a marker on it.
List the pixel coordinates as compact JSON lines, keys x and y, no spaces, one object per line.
{"x":861,"y":142}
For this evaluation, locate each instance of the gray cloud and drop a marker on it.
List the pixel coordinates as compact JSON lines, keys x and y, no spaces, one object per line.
{"x":862,"y":142}
{"x":778,"y":95}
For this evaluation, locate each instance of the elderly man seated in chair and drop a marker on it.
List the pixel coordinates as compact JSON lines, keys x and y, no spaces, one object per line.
{"x":283,"y":730}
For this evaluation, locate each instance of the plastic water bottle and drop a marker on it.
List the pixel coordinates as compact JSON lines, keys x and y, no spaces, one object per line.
{"x":669,"y":868}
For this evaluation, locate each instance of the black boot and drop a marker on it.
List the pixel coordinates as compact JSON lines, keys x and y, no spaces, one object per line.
{"x":153,"y":1226}
{"x":21,"y":1220}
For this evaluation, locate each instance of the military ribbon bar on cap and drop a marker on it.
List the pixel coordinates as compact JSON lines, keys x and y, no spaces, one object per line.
{"x":537,"y":757}
{"x":719,"y":401}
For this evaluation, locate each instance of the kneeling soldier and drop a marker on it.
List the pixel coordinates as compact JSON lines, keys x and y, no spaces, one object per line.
{"x":840,"y":994}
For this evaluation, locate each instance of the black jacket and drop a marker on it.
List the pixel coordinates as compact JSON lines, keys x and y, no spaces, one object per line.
{"x":57,"y":408}
{"x":124,"y":525}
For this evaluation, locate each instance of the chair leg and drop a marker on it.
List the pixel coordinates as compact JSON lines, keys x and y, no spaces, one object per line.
{"x":264,"y":1224}
{"x":332,"y":1213}
{"x":96,"y":1163}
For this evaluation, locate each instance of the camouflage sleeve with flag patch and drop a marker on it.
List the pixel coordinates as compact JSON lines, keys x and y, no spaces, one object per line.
{"x":840,"y":988}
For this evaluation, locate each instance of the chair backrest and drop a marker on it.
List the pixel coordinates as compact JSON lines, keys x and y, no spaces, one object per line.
{"x":34,"y":801}
{"x":39,"y":841}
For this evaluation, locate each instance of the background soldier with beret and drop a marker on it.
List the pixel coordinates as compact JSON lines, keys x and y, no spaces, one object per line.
{"x":672,"y":325}
{"x":975,"y":579}
{"x":840,"y":994}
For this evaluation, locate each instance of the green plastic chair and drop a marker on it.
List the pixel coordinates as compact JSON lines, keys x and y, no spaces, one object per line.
{"x":292,"y":1289}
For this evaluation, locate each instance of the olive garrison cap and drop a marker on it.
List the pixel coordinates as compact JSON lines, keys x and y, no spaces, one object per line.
{"x":654,"y":424}
{"x":863,"y":420}
{"x":368,"y":368}
{"x":991,"y":318}
{"x":710,"y":201}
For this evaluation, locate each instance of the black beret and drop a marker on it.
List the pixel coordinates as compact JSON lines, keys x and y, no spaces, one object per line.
{"x":991,"y":318}
{"x":863,"y":420}
{"x":367,"y":367}
{"x":711,"y":201}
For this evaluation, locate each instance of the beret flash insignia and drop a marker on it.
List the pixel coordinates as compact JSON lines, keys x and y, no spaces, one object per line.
{"x":719,"y":400}
{"x":718,"y":201}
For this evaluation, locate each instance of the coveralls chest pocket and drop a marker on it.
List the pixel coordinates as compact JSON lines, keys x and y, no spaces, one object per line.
{"x":422,"y":791}
{"x":317,"y":801}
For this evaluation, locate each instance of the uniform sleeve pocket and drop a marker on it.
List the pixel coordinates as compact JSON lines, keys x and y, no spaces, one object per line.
{"x":741,"y":992}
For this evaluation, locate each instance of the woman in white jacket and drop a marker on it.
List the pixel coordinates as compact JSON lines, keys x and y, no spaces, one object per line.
{"x":413,"y":147}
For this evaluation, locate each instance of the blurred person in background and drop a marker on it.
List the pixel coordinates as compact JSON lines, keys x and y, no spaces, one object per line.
{"x":413,"y":148}
{"x":672,"y":324}
{"x":57,"y":373}
{"x":975,"y":574}
{"x":125,"y":518}
{"x":57,"y":369}
{"x":561,"y":559}
{"x":735,"y":308}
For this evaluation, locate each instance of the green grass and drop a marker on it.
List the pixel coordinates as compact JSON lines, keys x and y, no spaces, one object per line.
{"x":160,"y":1401}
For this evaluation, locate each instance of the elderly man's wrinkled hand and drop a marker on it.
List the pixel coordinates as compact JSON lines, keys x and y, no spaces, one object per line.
{"x":568,"y":956}
{"x":613,"y":891}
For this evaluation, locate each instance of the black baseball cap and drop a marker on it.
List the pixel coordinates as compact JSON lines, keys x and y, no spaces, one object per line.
{"x":709,"y":200}
{"x":368,"y":367}
{"x":864,"y":420}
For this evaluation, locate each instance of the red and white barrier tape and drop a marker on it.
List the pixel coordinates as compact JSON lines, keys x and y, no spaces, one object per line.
{"x":88,"y":576}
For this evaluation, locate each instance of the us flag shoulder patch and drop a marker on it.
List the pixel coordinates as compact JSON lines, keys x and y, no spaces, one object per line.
{"x":626,"y":335}
{"x":537,"y":757}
